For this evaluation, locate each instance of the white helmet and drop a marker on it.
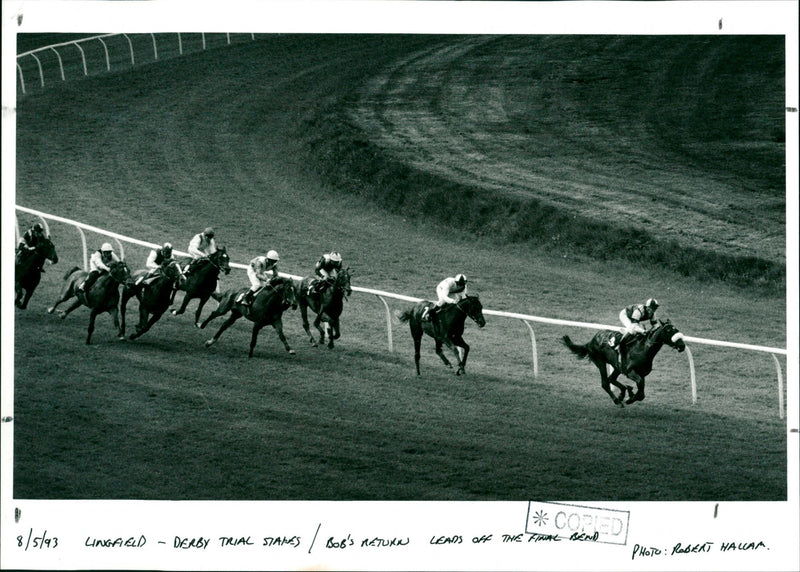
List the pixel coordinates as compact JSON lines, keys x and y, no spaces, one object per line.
{"x":461,"y":279}
{"x":336,"y":257}
{"x":652,"y":303}
{"x":272,"y":255}
{"x":106,"y":247}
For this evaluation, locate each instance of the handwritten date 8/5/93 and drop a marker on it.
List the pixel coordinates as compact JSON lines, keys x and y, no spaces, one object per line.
{"x":40,"y":541}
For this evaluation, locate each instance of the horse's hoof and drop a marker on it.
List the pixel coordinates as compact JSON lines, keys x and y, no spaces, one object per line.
{"x":292,"y":352}
{"x":174,"y":312}
{"x":62,"y":315}
{"x":209,"y":343}
{"x":198,"y":326}
{"x":50,"y":310}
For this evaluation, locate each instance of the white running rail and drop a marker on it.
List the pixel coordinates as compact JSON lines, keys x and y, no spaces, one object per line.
{"x":382,"y":295}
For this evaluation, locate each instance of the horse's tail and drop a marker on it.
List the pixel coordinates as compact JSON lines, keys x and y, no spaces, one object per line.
{"x":577,"y":349}
{"x":70,"y":271}
{"x":404,"y":316}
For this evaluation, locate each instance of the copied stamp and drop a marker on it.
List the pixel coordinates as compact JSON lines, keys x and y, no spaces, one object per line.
{"x":577,"y":522}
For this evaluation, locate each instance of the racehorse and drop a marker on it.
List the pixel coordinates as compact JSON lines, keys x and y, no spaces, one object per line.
{"x":103,"y":296}
{"x":202,"y":281}
{"x":638,"y":361}
{"x":266,"y":309}
{"x":327,"y":306}
{"x":28,"y":269}
{"x":450,"y":328}
{"x":154,"y":298}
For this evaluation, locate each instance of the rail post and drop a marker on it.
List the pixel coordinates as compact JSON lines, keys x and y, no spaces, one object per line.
{"x":780,"y":385}
{"x":533,"y":349}
{"x":388,"y":322}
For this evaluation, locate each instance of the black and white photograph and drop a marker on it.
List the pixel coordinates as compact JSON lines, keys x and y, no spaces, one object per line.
{"x":400,"y":285}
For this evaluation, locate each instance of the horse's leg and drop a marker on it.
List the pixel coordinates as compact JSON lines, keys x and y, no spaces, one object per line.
{"x":64,"y":313}
{"x":235,"y":315}
{"x":612,"y":379}
{"x":440,"y":353}
{"x":605,"y":381}
{"x":90,"y":329}
{"x":222,"y":309}
{"x":153,"y":319}
{"x":66,"y":294}
{"x":416,"y":333}
{"x":462,"y":362}
{"x":203,"y":300}
{"x":123,"y":309}
{"x":278,"y":325}
{"x":317,"y":322}
{"x":639,"y":380}
{"x":185,"y":303}
{"x":304,"y":316}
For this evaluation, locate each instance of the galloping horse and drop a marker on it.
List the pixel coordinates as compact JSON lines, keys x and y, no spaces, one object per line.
{"x":28,"y":270}
{"x":154,"y":298}
{"x":202,"y":281}
{"x":451,"y":318}
{"x":638,"y":362}
{"x":269,"y":304}
{"x":103,"y":296}
{"x":327,"y":306}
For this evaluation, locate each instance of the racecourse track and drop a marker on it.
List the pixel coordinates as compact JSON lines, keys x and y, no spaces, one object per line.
{"x":221,"y":138}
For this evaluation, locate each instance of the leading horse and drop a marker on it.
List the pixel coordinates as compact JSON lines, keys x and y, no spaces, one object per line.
{"x":450,"y":328}
{"x":201,"y":282}
{"x":266,"y":309}
{"x":327,"y":305}
{"x":103,"y":296}
{"x":154,"y":298}
{"x":638,"y":361}
{"x":28,"y":268}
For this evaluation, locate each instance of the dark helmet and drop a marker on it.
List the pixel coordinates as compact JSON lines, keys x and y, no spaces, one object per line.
{"x":38,"y":227}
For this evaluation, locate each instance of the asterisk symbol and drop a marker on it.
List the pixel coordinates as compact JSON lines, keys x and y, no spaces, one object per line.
{"x":540,"y":518}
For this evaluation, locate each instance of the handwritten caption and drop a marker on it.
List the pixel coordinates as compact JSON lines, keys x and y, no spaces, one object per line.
{"x":45,"y":540}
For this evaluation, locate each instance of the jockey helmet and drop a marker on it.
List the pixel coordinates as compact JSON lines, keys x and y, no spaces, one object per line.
{"x":167,"y":248}
{"x":38,"y":227}
{"x":336,"y":257}
{"x":272,"y":255}
{"x":652,"y":303}
{"x":209,"y":232}
{"x":461,"y":279}
{"x":106,"y":247}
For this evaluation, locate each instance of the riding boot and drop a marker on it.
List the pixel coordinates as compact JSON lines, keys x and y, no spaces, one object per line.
{"x":248,"y":298}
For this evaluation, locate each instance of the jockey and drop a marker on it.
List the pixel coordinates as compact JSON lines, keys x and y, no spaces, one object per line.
{"x":157,"y":259}
{"x":328,"y":266}
{"x":259,"y":272}
{"x":30,"y":240}
{"x":201,"y":246}
{"x":98,"y":264}
{"x":632,"y":317}
{"x":449,"y":291}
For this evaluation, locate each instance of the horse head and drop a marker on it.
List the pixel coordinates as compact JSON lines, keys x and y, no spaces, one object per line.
{"x":48,"y":250}
{"x":174,"y":273}
{"x":119,"y":272}
{"x":473,"y":308}
{"x":221,"y":260}
{"x":286,"y":288}
{"x":668,"y":334}
{"x":343,"y":282}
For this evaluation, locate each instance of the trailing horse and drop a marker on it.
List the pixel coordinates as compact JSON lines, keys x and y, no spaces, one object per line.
{"x":201,"y":282}
{"x":327,"y":305}
{"x":638,"y":361}
{"x":154,"y":298}
{"x":28,"y":268}
{"x":266,"y":309}
{"x":449,"y":329}
{"x":103,"y":296}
